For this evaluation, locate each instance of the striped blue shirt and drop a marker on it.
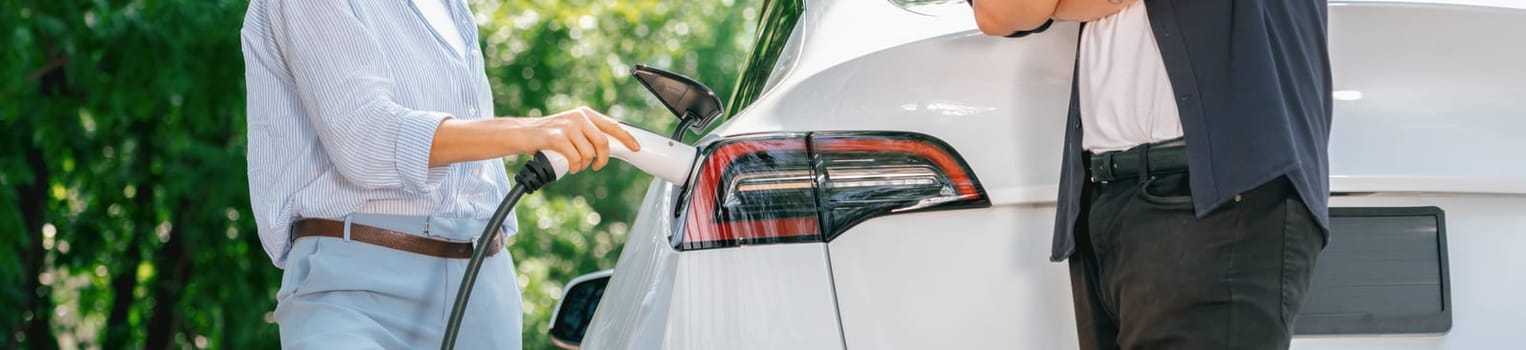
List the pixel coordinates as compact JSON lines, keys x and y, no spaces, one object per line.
{"x":344,"y":98}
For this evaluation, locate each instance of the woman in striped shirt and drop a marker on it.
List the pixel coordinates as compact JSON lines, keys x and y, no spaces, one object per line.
{"x":374,"y":162}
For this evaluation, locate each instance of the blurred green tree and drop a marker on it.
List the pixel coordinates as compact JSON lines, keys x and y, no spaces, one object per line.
{"x":122,"y":190}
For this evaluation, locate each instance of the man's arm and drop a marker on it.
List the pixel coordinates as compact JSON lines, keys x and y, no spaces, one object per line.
{"x":1088,"y":10}
{"x":1003,"y":17}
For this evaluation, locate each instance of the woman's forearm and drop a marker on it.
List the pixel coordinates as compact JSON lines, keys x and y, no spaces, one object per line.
{"x":458,"y":140}
{"x":582,"y":135}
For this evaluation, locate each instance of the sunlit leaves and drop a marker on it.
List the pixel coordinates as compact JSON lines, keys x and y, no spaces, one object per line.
{"x":545,"y":56}
{"x":135,"y":111}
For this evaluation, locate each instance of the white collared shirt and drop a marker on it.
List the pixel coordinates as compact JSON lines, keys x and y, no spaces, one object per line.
{"x":1126,"y":98}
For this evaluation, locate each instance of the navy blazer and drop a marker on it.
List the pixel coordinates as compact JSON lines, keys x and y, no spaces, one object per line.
{"x":1252,"y":83}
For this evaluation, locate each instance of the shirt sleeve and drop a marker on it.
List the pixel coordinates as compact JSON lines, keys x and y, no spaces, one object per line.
{"x":342,"y":81}
{"x":1040,"y":29}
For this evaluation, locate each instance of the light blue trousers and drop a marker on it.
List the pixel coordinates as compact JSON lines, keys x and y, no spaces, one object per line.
{"x":338,"y":294}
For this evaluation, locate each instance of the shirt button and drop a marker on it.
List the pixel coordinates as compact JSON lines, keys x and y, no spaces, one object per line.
{"x":1185,"y":98}
{"x":472,"y":111}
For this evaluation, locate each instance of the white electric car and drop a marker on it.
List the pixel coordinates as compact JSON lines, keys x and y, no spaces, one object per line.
{"x":886,"y":180}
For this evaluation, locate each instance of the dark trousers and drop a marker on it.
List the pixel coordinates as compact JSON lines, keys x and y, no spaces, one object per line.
{"x":1148,"y":274}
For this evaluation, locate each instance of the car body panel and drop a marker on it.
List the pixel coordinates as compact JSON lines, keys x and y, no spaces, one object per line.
{"x":754,"y":297}
{"x":746,"y":297}
{"x":1441,"y":102}
{"x":1014,"y":131}
{"x":1441,"y":92}
{"x":958,"y":279}
{"x":634,"y":311}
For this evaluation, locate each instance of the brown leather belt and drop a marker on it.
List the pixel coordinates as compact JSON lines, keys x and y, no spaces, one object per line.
{"x":390,"y":239}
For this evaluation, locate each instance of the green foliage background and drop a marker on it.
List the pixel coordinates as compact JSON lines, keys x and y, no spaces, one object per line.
{"x":124,"y":208}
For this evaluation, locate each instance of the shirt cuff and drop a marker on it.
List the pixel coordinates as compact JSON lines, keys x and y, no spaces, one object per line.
{"x":1040,"y":29}
{"x":415,"y":137}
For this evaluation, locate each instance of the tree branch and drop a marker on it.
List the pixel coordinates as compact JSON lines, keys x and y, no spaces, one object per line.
{"x":53,"y":64}
{"x":38,"y":298}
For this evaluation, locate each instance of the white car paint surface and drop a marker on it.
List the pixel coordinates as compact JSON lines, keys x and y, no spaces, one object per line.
{"x":1432,"y":102}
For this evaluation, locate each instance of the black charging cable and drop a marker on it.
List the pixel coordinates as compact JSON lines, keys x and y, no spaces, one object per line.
{"x":538,"y":172}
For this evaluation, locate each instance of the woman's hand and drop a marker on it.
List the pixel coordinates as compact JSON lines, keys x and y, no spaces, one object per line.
{"x":581,"y":134}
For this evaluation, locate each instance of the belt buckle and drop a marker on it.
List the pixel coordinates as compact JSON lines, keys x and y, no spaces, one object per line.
{"x":476,"y":240}
{"x":1106,"y":172}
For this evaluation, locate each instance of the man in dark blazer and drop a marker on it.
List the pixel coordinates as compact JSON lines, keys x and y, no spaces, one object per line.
{"x":1194,"y":188}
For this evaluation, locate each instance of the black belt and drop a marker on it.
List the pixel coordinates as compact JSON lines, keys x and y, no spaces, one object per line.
{"x":1166,"y":157}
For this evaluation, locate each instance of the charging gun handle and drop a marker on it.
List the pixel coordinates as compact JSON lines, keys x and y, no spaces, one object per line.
{"x":662,"y":157}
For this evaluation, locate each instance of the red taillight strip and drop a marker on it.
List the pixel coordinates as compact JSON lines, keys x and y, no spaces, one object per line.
{"x":937,"y":154}
{"x":701,"y":226}
{"x":755,"y":230}
{"x":706,"y":227}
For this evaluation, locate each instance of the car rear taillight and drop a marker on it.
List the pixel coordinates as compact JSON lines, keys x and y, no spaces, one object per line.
{"x":811,"y":187}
